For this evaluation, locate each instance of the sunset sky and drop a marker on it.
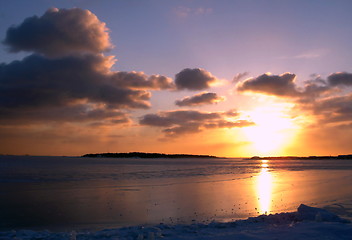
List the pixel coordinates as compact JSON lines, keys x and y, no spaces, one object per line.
{"x":226,"y":78}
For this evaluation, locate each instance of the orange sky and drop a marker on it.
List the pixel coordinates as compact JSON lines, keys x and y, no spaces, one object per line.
{"x":183,"y":77}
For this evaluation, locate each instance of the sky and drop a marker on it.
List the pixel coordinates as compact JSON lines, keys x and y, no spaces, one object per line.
{"x":225,"y":78}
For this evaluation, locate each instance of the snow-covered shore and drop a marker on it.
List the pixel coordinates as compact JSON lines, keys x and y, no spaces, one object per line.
{"x":306,"y":223}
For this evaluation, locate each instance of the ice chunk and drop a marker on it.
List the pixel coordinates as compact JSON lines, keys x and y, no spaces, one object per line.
{"x":305,"y":212}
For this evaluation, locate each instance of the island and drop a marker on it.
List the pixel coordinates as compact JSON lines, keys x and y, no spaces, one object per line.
{"x":144,"y":155}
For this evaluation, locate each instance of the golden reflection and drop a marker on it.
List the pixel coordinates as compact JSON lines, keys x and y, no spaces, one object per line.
{"x":264,"y":188}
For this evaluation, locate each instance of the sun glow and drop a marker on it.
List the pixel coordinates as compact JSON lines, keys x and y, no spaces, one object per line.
{"x":272,"y":131}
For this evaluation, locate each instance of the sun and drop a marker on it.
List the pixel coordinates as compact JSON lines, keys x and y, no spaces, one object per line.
{"x":273,"y":129}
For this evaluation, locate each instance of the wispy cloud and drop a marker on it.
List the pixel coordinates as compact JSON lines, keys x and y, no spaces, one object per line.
{"x":311,"y":54}
{"x":184,"y":12}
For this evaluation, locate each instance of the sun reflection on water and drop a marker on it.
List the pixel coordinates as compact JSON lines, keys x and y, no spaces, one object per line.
{"x":264,"y":187}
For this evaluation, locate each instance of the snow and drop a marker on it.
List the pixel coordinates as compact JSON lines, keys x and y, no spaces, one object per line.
{"x":306,"y":223}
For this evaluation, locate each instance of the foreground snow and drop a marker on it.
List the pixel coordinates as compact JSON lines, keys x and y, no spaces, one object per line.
{"x":306,"y":223}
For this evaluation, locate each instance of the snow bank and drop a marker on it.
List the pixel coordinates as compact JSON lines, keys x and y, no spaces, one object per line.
{"x":306,"y":223}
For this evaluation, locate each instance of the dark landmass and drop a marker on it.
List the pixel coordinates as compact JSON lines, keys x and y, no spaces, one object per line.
{"x":349,"y":156}
{"x":145,"y":155}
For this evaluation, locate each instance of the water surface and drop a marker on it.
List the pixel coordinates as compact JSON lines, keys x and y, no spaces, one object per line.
{"x":66,"y":193}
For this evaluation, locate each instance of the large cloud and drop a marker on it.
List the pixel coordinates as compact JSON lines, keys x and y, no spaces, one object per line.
{"x":39,"y":82}
{"x":68,"y":78}
{"x":180,"y":122}
{"x":200,"y":99}
{"x":59,"y":32}
{"x":194,"y":79}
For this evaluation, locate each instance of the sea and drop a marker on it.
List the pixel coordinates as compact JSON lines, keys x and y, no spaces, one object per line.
{"x":75,"y":193}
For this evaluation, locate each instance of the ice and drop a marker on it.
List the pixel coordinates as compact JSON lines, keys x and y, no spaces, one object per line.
{"x":307,"y":223}
{"x":320,"y":215}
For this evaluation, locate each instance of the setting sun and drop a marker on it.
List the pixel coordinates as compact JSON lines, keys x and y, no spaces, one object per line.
{"x":272,"y":131}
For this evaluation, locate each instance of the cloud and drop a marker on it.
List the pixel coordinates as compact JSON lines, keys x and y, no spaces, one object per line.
{"x":333,"y":104}
{"x":340,"y":78}
{"x":284,"y":86}
{"x":40,"y":82}
{"x":194,"y":79}
{"x":179,"y":122}
{"x":185,"y":12}
{"x":278,"y":85}
{"x":239,"y":76}
{"x":336,"y":109}
{"x":200,"y":99}
{"x":67,"y":78}
{"x":310,"y":54}
{"x":329,"y":101}
{"x":83,"y":113}
{"x":59,"y":32}
{"x":203,"y":11}
{"x":182,"y":12}
{"x":139,"y":80}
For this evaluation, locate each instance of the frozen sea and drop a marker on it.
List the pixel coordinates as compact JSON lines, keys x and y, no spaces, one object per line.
{"x":78,"y":194}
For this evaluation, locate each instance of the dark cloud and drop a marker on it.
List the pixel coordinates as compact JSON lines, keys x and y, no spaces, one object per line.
{"x":284,"y":86}
{"x":194,"y":79}
{"x":340,"y":78}
{"x":39,"y":88}
{"x":180,"y":122}
{"x":59,"y":32}
{"x":313,"y":89}
{"x":75,"y":113}
{"x":329,"y":101}
{"x":333,"y":109}
{"x":40,"y":82}
{"x":200,"y":99}
{"x":278,"y":85}
{"x":68,"y":78}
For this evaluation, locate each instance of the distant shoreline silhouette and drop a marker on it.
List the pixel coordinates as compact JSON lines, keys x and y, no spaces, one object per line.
{"x":145,"y":155}
{"x":164,"y":155}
